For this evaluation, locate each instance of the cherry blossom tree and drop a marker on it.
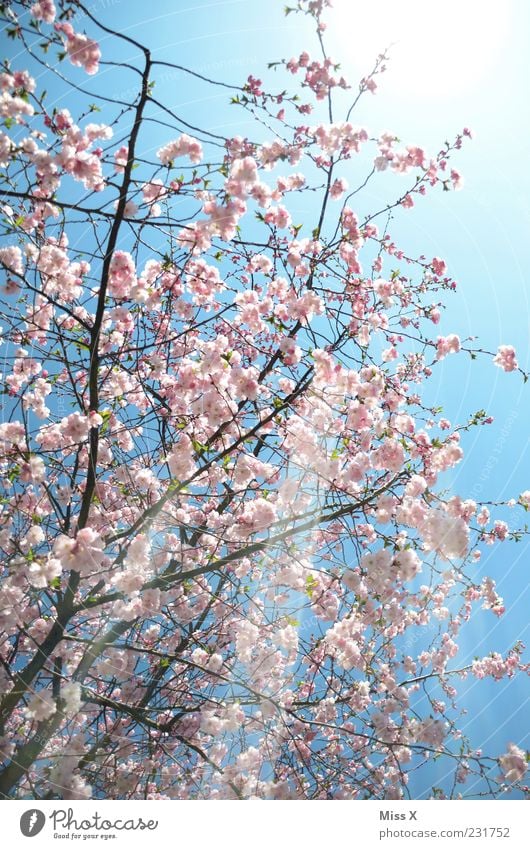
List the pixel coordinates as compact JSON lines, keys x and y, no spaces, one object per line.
{"x":231,"y":568}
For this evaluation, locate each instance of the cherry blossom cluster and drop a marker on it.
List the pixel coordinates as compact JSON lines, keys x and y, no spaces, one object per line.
{"x":232,"y":565}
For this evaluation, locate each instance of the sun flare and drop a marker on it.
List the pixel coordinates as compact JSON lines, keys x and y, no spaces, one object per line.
{"x":437,"y":49}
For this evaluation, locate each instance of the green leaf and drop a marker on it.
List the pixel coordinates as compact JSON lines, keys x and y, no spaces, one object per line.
{"x":310,"y":583}
{"x":13,"y":473}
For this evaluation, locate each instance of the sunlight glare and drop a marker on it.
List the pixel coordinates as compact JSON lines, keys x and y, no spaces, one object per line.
{"x":439,"y":49}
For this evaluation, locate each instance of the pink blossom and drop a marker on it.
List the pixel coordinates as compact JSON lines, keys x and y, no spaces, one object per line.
{"x":71,"y":697}
{"x":257,"y":515}
{"x":456,"y":179}
{"x":180,"y":459}
{"x":389,"y":456}
{"x":11,"y":258}
{"x":290,"y":350}
{"x":120,"y":158}
{"x":82,"y":51}
{"x":279,"y":217}
{"x":44,"y":10}
{"x":447,"y":345}
{"x":75,"y":427}
{"x":408,"y":564}
{"x":369,"y":84}
{"x":505,"y":358}
{"x":432,"y":732}
{"x":6,"y":148}
{"x":83,"y":554}
{"x":513,"y":763}
{"x":415,"y":156}
{"x":122,"y":274}
{"x":14,"y":107}
{"x":447,"y":535}
{"x":416,"y":485}
{"x":44,"y":570}
{"x":244,"y":170}
{"x":253,"y":85}
{"x":438,"y":266}
{"x":41,"y":706}
{"x":183,"y":146}
{"x":151,"y":192}
{"x":337,"y":189}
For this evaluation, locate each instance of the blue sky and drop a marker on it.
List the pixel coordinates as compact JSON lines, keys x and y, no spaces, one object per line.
{"x":482,"y":233}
